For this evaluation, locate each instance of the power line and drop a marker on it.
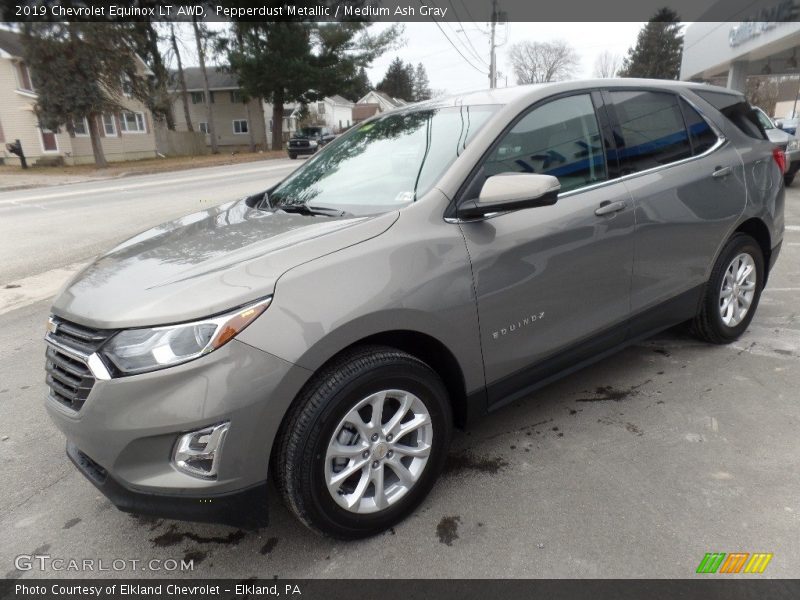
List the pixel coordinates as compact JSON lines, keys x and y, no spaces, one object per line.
{"x":463,"y":30}
{"x":466,"y":60}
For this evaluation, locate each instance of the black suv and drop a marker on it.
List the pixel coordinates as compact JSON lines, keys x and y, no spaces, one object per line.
{"x":308,"y":140}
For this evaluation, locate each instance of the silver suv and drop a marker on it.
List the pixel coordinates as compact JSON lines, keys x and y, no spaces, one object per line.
{"x":427,"y":267}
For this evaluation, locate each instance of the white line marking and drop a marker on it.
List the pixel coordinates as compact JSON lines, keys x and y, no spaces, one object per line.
{"x":122,"y":186}
{"x":35,"y":288}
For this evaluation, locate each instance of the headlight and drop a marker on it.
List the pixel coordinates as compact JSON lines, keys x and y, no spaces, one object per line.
{"x":312,"y":143}
{"x":793,"y":145}
{"x":139,"y":350}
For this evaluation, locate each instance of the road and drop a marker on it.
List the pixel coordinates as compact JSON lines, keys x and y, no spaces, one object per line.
{"x":634,"y":467}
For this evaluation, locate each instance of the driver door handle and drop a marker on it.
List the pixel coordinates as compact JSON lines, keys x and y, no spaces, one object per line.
{"x":721,"y":172}
{"x":607,"y":208}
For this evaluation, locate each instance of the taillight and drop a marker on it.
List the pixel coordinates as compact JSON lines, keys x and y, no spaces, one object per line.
{"x":780,"y":159}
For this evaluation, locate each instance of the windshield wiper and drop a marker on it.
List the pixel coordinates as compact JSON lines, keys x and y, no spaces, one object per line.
{"x":305,"y":209}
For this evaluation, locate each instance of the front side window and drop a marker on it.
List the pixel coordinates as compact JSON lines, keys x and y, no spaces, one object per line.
{"x":383,"y":164}
{"x":560,"y":138}
{"x":240,"y":126}
{"x":650,"y":131}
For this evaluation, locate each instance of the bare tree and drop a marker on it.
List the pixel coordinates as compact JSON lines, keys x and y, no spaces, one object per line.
{"x":201,"y":36}
{"x":539,"y":62}
{"x":607,"y":64}
{"x":181,"y":77}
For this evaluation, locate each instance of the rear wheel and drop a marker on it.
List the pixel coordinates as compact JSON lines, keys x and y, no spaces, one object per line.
{"x":364,"y":443}
{"x":789,"y":178}
{"x":732,"y":292}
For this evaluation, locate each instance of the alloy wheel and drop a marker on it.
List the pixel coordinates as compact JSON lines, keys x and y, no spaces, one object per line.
{"x":737,"y":290}
{"x":378,"y":451}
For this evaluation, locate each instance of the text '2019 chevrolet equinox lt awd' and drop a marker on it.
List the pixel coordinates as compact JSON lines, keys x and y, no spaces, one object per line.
{"x":429,"y":266}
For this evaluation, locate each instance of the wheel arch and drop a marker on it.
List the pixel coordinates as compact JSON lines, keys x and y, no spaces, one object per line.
{"x":757,"y":229}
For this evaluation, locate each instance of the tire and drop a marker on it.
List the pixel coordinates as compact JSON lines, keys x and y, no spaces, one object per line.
{"x":711,"y":324}
{"x":301,"y":460}
{"x":292,"y":155}
{"x":789,"y":178}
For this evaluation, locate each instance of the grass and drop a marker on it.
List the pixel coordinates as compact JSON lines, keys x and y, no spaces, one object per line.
{"x":141,"y":167}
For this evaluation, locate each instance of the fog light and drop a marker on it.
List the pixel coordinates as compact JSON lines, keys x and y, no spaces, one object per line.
{"x":197,"y":453}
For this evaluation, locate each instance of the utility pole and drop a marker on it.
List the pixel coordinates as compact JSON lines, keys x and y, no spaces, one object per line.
{"x":492,"y":49}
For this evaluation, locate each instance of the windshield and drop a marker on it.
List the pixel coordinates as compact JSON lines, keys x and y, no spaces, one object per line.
{"x":310,"y":131}
{"x":765,"y":121}
{"x":383,"y":164}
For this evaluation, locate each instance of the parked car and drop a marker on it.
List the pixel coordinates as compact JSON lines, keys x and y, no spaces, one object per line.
{"x":788,"y":125}
{"x":332,"y":330}
{"x":308,"y":140}
{"x":787,"y":142}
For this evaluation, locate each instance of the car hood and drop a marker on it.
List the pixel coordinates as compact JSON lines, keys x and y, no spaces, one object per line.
{"x":204,"y":263}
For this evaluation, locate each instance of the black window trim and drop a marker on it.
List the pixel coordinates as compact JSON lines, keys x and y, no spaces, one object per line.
{"x":607,"y":120}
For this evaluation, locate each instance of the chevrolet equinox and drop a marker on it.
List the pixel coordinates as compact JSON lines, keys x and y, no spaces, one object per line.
{"x":429,"y":266}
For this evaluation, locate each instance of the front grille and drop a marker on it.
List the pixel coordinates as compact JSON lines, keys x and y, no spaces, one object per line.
{"x":68,"y":376}
{"x":299,"y":143}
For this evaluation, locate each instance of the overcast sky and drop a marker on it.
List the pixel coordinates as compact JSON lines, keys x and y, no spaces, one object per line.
{"x":448,"y":71}
{"x":427,"y":44}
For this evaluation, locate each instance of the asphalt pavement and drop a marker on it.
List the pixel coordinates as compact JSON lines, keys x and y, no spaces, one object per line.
{"x":634,"y":467}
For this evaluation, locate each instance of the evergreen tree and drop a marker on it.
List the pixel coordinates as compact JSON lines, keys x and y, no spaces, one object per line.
{"x":297,"y":61}
{"x":81,"y":70}
{"x":358,"y":86}
{"x":398,"y":81}
{"x":422,"y":87}
{"x":658,"y":49}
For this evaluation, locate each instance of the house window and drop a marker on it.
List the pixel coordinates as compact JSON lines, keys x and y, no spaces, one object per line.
{"x":321,"y":108}
{"x":270,"y":124}
{"x":80,"y":128}
{"x":211,"y":97}
{"x":24,"y":77}
{"x":132,"y":122}
{"x":109,"y":126}
{"x":127,"y":86}
{"x":236,"y":97}
{"x":239,"y":126}
{"x":198,"y":98}
{"x":203,"y":125}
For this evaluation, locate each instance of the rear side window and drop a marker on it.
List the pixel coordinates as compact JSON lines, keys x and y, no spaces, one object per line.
{"x":736,"y":110}
{"x":650,"y":131}
{"x":700,"y":133}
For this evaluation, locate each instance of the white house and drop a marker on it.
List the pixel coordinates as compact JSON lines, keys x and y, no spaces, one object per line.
{"x":335,"y":112}
{"x":384,"y":101}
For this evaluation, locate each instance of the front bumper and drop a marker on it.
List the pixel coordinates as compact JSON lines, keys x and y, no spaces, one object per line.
{"x":302,"y":149}
{"x":127,"y":429}
{"x":246,"y":509}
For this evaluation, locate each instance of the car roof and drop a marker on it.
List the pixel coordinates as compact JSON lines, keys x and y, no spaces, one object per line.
{"x":533,"y":92}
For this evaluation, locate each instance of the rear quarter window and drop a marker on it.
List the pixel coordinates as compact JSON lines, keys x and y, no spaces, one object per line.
{"x":736,"y":109}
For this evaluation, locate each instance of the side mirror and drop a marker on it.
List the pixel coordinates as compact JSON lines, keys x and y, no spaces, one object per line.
{"x":511,"y":191}
{"x":779,"y":123}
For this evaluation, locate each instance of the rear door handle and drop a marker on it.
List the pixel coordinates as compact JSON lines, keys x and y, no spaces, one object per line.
{"x":607,"y":208}
{"x":721,"y":172}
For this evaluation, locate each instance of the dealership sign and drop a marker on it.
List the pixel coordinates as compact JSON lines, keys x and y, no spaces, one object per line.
{"x":764,"y":20}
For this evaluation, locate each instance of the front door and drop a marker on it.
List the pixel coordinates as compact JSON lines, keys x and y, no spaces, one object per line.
{"x":548,"y":279}
{"x":49,"y":142}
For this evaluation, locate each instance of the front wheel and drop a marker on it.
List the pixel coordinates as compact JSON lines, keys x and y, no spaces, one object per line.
{"x":292,"y":155}
{"x":789,"y":178}
{"x":364,"y":443}
{"x":732,"y":292}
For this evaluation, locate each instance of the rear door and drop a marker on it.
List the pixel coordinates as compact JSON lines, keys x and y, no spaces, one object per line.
{"x":688,"y":187}
{"x":547,"y":279}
